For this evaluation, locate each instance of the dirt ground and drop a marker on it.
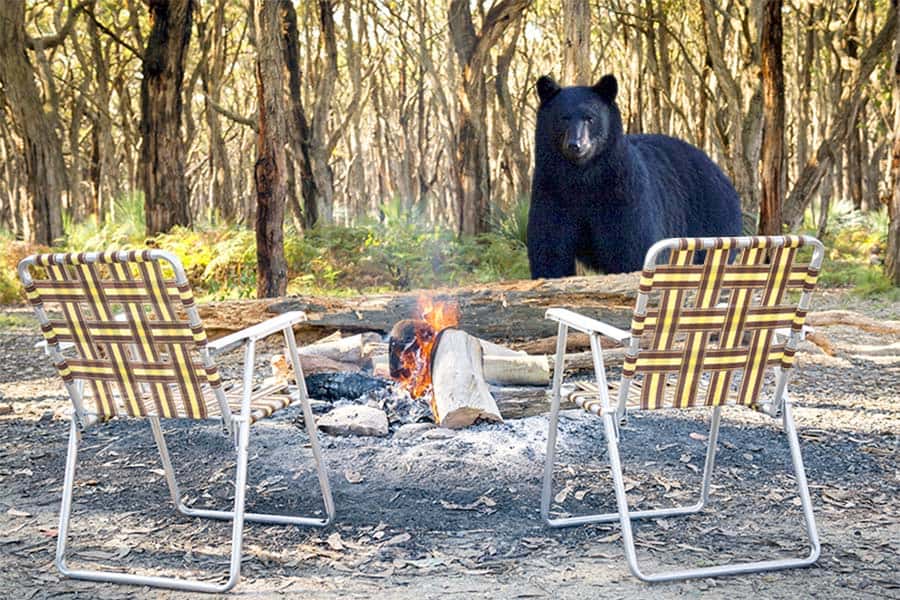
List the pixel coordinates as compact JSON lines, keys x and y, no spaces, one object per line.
{"x":455,"y":514}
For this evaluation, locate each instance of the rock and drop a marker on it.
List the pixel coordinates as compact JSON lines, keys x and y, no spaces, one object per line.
{"x":6,"y":409}
{"x":411,"y":430}
{"x":355,"y":420}
{"x":439,"y":434}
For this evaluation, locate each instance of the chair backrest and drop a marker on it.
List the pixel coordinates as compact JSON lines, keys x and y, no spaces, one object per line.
{"x":137,"y":336}
{"x":705,"y":334}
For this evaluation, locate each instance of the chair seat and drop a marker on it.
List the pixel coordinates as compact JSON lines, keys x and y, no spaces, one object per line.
{"x":586,"y":395}
{"x":265,"y":400}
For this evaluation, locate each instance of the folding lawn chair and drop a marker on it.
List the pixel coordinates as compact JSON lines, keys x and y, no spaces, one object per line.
{"x":130,"y":343}
{"x":687,"y":349}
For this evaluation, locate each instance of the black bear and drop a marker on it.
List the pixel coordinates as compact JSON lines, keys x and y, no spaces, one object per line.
{"x":603,"y":198}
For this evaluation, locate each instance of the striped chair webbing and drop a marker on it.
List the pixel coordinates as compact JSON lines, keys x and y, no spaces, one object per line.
{"x":145,"y":364}
{"x":687,"y":333}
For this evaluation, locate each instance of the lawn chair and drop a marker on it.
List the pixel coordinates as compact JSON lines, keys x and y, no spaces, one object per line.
{"x":130,"y":343}
{"x":687,"y":349}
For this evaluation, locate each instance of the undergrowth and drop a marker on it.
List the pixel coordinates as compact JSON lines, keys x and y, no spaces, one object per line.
{"x":398,"y":251}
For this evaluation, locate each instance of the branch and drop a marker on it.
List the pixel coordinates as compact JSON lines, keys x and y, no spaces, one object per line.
{"x":55,"y":39}
{"x":114,"y":36}
{"x":499,"y":18}
{"x":250,"y":122}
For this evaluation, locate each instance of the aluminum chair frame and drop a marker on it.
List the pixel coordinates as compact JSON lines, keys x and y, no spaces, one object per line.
{"x":613,"y":414}
{"x":237,"y":424}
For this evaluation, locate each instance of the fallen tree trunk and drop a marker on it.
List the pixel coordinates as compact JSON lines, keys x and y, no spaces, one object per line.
{"x":512,"y":310}
{"x":848,"y":318}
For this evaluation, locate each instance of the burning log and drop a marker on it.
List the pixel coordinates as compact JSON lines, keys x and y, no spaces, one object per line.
{"x":461,"y":395}
{"x":335,"y":386}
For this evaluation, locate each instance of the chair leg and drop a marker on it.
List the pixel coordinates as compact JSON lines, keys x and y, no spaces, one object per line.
{"x":176,"y":583}
{"x":322,"y":475}
{"x":728,"y":569}
{"x":550,"y":460}
{"x":610,"y":517}
{"x":223,"y":515}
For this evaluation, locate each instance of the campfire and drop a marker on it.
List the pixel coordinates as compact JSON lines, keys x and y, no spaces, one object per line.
{"x":412,"y":342}
{"x":442,"y":365}
{"x":436,"y":369}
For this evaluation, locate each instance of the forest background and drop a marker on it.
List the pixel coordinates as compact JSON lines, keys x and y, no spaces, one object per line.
{"x":340,"y":146}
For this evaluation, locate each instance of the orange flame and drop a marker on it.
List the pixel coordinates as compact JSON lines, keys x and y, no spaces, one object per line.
{"x":432,"y":317}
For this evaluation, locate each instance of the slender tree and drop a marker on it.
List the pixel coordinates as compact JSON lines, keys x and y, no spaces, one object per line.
{"x":773,"y":175}
{"x":299,"y":127}
{"x":892,"y":262}
{"x":270,"y":171}
{"x":162,"y":170}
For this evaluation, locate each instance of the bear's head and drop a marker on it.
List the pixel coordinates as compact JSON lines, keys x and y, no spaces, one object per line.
{"x":580,"y":122}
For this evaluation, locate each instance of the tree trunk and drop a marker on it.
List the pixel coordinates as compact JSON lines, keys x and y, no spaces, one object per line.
{"x":320,"y":149}
{"x":471,"y":166}
{"x":773,"y":176}
{"x":892,"y":260}
{"x":854,"y":143}
{"x":507,"y":310}
{"x":45,"y":170}
{"x":161,"y":176}
{"x":298,"y":124}
{"x":577,"y":49}
{"x":270,"y":170}
{"x":222,"y":195}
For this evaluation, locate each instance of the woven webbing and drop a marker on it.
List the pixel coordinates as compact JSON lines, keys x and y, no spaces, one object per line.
{"x":689,"y":333}
{"x":137,"y":349}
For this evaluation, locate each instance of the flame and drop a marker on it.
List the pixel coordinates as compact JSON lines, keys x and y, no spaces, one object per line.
{"x":415,"y":358}
{"x":440,"y":315}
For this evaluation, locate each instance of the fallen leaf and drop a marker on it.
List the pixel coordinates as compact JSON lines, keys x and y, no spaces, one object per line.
{"x":334,"y":542}
{"x":400,"y":538}
{"x":353,"y":477}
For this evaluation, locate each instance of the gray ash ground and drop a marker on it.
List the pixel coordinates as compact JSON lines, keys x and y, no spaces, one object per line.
{"x":432,"y":513}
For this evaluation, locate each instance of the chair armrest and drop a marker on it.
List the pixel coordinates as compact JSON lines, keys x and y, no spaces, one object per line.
{"x":586,"y":324}
{"x":785,"y":332}
{"x":256,"y":332}
{"x":63,"y":346}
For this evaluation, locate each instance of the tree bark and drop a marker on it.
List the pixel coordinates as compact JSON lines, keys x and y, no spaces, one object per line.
{"x":162,"y":177}
{"x":577,"y":48}
{"x":212,"y":71}
{"x":471,"y":160}
{"x":321,"y":148}
{"x":270,"y":170}
{"x":892,"y":260}
{"x":300,"y":133}
{"x":45,"y":170}
{"x":854,"y":143}
{"x":773,"y":175}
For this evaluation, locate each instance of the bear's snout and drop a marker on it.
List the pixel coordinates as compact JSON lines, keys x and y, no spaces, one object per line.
{"x":576,"y":143}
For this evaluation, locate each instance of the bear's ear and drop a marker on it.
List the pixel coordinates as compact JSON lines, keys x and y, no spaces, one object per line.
{"x":547,"y":88}
{"x":607,"y":88}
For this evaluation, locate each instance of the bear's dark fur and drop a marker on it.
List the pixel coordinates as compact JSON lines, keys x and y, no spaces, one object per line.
{"x":603,"y":197}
